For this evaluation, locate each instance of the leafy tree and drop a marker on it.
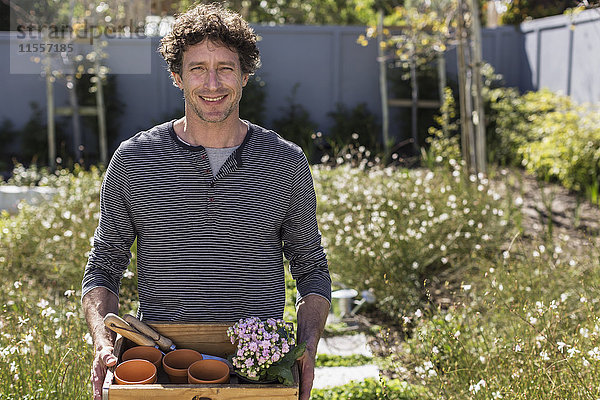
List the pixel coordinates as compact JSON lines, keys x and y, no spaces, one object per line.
{"x":308,"y":12}
{"x":420,"y":31}
{"x":521,"y":10}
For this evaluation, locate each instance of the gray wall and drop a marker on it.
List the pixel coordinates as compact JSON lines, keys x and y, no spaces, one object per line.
{"x":331,"y":67}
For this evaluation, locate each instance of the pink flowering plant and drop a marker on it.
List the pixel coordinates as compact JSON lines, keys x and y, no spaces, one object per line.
{"x":266,"y":351}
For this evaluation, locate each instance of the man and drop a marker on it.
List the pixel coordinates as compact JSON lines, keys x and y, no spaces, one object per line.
{"x":210,"y":199}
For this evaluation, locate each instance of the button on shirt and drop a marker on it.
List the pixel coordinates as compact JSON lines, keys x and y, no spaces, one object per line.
{"x":209,"y":247}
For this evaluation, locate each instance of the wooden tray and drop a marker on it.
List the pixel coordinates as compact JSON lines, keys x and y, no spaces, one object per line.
{"x":208,"y":339}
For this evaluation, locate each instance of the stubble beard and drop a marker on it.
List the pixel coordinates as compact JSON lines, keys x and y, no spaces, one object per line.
{"x":193,"y":105}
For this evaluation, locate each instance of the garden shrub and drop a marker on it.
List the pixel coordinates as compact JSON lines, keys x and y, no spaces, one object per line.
{"x":295,"y":124}
{"x":549,"y":135}
{"x":49,"y":243}
{"x":357,"y":127}
{"x":528,"y":327}
{"x":394,"y":230}
{"x":444,"y":139}
{"x":252,"y":104}
{"x":369,"y":389}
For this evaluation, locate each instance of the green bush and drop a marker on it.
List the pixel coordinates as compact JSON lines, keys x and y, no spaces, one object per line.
{"x":356,"y":127}
{"x":252,"y":104}
{"x":369,"y":389}
{"x":331,"y":360}
{"x":548,"y":134}
{"x":393,"y":230}
{"x":444,"y":142}
{"x":49,"y":243}
{"x":526,"y":328}
{"x":295,"y":124}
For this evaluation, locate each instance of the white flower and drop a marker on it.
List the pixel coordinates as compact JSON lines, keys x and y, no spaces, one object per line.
{"x":562,"y":345}
{"x":43,"y":303}
{"x":28,"y":338}
{"x":477,"y":387}
{"x":586,"y":363}
{"x":466,"y":287}
{"x":518,"y":348}
{"x":435,"y":350}
{"x":557,"y":249}
{"x":48,"y":312}
{"x":584,"y":332}
{"x":572,"y":351}
{"x":496,"y":395}
{"x":583,"y":300}
{"x":544,"y":355}
{"x":595,"y":353}
{"x":456,"y":334}
{"x":418,"y":313}
{"x":128,"y":274}
{"x":17,"y":284}
{"x":69,"y":293}
{"x":88,"y":338}
{"x":533,"y":320}
{"x":58,"y":333}
{"x":47,"y":349}
{"x":506,"y":254}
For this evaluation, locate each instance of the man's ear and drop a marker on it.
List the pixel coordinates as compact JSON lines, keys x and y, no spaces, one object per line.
{"x":177,"y":80}
{"x":245,"y":78}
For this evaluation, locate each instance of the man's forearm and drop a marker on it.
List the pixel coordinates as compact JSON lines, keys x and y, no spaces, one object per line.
{"x":96,"y":304}
{"x":312,"y":315}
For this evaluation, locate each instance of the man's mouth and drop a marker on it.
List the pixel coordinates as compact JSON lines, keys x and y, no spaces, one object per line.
{"x":212,"y":99}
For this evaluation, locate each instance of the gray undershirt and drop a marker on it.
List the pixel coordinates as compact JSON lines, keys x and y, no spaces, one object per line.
{"x":216,"y":156}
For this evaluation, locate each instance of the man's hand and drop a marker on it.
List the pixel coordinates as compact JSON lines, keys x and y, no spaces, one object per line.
{"x":96,"y":304}
{"x":312,"y":314}
{"x":306,"y":364}
{"x":103,"y":359}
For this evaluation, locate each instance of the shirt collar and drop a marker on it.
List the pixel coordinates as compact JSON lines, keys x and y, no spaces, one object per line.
{"x":238,"y":152}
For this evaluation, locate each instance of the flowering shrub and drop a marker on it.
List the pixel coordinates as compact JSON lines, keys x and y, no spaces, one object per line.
{"x":548,"y":134}
{"x":527,"y":327}
{"x":392,"y":229}
{"x":264,"y":349}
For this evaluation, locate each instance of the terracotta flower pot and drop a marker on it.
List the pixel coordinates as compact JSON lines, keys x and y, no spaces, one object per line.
{"x":135,"y":372}
{"x":208,"y":371}
{"x":176,"y":364}
{"x":149,"y":353}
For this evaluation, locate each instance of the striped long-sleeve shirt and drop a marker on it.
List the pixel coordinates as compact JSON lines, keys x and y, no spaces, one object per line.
{"x":210,"y":248}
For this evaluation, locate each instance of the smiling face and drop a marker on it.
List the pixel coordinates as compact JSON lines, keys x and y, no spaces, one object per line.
{"x":212,"y":81}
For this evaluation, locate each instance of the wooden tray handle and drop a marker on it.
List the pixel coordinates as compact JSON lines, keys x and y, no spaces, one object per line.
{"x":164,"y":343}
{"x":117,"y":324}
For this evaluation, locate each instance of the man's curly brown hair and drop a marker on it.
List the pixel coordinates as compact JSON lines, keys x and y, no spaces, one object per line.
{"x":216,"y":23}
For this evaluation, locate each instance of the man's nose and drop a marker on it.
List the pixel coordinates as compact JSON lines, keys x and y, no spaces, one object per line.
{"x":212,"y":81}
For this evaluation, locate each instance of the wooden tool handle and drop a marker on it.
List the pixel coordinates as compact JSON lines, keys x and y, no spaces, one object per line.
{"x":164,"y":343}
{"x":117,"y":324}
